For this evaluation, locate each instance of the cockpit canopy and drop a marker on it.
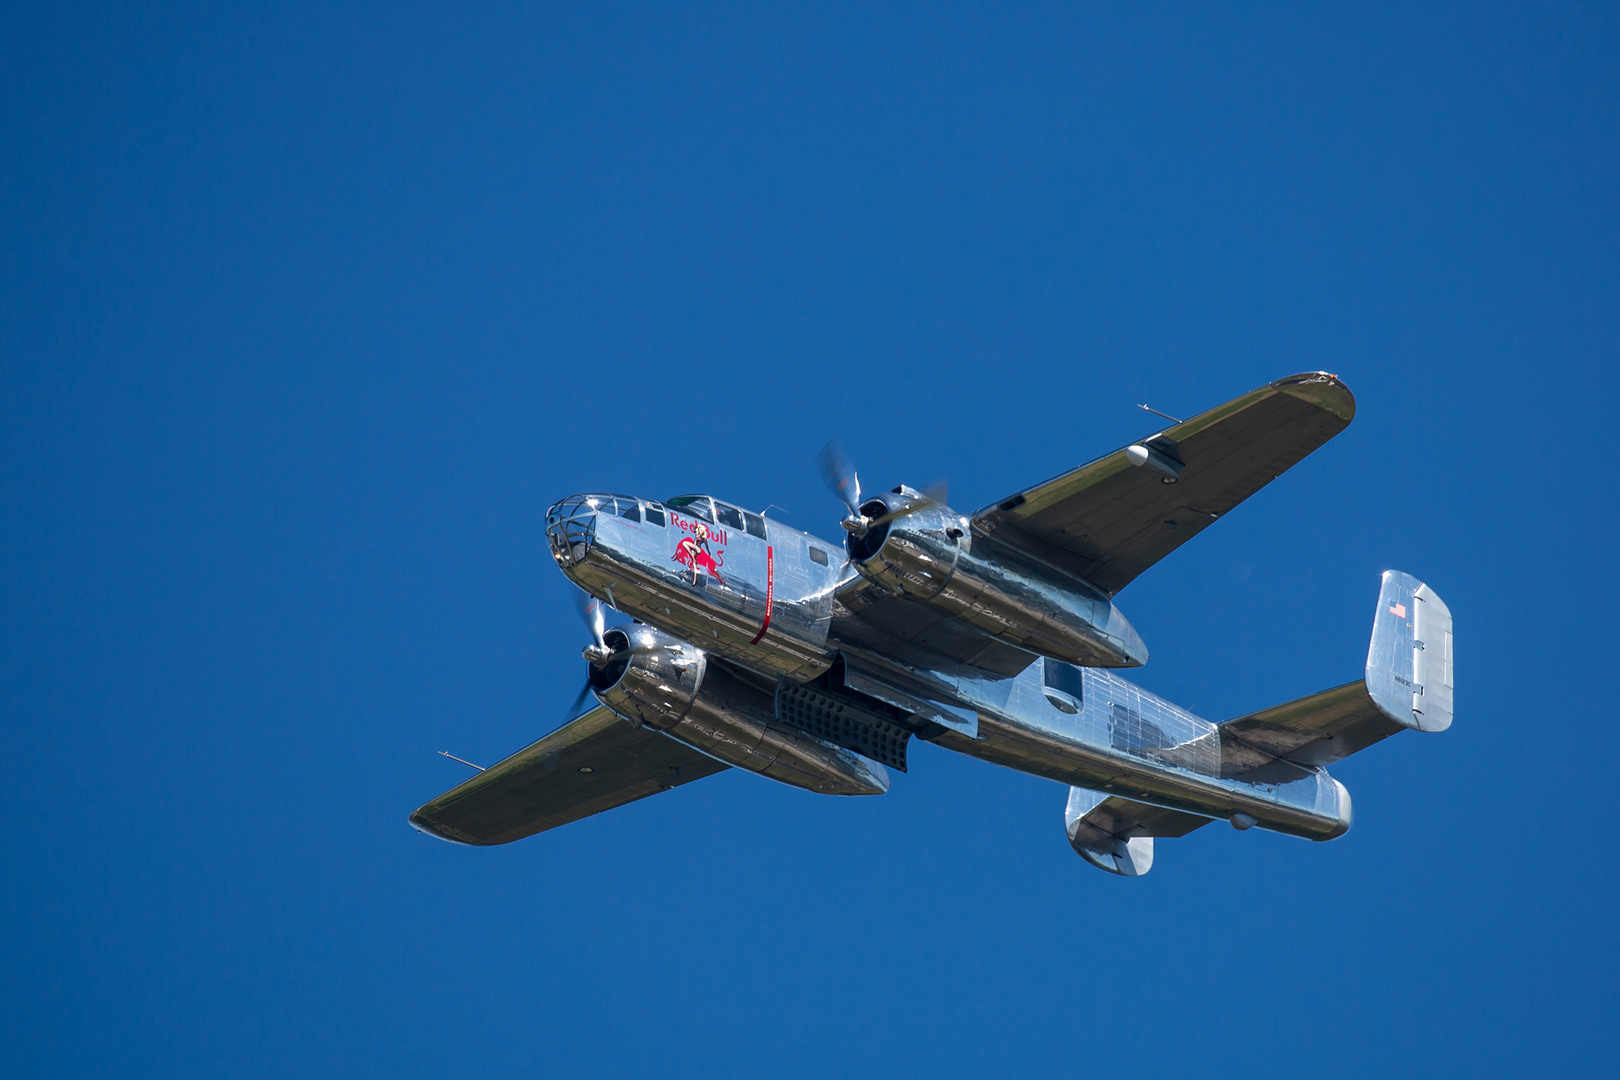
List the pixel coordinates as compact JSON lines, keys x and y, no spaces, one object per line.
{"x":701,"y":507}
{"x":716,"y":512}
{"x":625,"y":506}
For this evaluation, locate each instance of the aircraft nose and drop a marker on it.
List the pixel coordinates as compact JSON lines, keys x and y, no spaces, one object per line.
{"x":571,"y":527}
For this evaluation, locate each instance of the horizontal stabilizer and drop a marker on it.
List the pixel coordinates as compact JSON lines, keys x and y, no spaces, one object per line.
{"x":592,"y":763}
{"x":1116,"y":834}
{"x":1407,"y":685}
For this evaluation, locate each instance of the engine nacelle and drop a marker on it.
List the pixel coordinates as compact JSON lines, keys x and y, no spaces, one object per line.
{"x":667,"y":684}
{"x":930,"y":556}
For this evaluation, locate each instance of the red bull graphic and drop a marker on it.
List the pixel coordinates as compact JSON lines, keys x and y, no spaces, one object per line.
{"x":693,"y":551}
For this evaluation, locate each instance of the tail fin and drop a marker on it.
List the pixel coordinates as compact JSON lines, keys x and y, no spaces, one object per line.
{"x":1409,"y":663}
{"x":1407,"y":684}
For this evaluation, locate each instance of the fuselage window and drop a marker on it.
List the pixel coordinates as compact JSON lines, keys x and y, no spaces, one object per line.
{"x":695,"y":505}
{"x":756,"y":524}
{"x":655,"y":515}
{"x":729,"y":516}
{"x":818,"y":556}
{"x":1065,"y":686}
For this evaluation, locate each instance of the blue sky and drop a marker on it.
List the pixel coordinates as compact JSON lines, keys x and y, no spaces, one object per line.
{"x":306,"y":314}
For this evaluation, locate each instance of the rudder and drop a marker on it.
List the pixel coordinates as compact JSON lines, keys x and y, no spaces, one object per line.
{"x":1409,"y":662}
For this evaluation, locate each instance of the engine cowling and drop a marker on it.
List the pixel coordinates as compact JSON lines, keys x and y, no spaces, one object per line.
{"x":934,"y":556}
{"x":667,"y":684}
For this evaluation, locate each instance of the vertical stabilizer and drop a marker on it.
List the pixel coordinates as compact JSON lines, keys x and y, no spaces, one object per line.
{"x":1409,"y":663}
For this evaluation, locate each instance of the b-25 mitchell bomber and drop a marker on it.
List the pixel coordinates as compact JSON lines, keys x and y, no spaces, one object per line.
{"x":757,"y":646}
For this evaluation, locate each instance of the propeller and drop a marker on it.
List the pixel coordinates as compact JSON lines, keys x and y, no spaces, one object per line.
{"x":839,"y":473}
{"x":840,"y":476}
{"x":598,"y":652}
{"x":594,"y":612}
{"x":579,"y":699}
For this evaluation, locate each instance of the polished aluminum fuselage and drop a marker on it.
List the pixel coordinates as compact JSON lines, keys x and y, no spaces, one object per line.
{"x":769,"y":604}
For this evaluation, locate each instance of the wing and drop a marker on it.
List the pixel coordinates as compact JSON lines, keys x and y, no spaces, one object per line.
{"x":590,"y":764}
{"x":1110,"y":520}
{"x":1116,"y":834}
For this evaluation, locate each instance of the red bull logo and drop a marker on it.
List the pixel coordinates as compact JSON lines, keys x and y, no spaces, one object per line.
{"x":693,"y":550}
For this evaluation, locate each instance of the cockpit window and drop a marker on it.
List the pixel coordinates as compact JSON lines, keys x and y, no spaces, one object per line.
{"x":729,"y":516}
{"x":696,"y":505}
{"x":629,"y":508}
{"x":756,"y":524}
{"x":655,"y":515}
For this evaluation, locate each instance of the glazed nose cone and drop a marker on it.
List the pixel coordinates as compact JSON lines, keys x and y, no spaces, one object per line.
{"x":571,"y":527}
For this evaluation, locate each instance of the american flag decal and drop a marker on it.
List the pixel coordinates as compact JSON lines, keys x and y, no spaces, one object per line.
{"x":1399,"y":611}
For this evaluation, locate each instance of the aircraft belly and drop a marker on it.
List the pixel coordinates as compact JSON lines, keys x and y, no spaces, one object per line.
{"x":1125,"y":741}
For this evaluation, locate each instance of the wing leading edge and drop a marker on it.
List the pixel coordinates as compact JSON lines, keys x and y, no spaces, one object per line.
{"x":1108,"y":521}
{"x":593,"y":763}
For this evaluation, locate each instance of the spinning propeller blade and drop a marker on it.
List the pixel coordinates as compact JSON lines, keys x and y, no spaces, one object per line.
{"x":592,"y":611}
{"x":579,"y":699}
{"x":840,"y":476}
{"x":839,"y":473}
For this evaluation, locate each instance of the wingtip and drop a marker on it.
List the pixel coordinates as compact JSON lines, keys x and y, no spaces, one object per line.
{"x":424,"y":824}
{"x":1322,"y":389}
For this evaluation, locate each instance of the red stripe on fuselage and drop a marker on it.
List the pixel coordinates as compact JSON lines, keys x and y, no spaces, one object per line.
{"x":770,"y":588}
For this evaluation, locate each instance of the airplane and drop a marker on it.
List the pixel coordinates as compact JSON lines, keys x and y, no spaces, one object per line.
{"x":756,"y":646}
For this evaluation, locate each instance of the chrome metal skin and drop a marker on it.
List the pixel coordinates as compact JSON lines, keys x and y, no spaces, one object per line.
{"x":650,"y":678}
{"x":1127,"y":856}
{"x":663,"y":683}
{"x":1409,"y":661}
{"x":934,"y":556}
{"x":1127,"y":741}
{"x":761,"y":601}
{"x":1121,"y":739}
{"x":991,"y":635}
